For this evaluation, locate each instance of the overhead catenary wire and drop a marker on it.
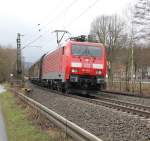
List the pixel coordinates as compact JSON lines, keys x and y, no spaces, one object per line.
{"x":32,"y":42}
{"x":76,"y":18}
{"x":87,"y":9}
{"x":35,"y":27}
{"x":50,"y":22}
{"x":61,"y":13}
{"x":57,"y":16}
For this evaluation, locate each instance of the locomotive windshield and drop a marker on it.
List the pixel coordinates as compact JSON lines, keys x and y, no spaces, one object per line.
{"x":84,"y":50}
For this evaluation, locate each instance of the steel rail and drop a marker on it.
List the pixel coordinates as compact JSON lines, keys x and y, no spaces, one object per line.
{"x":126,"y":94}
{"x":124,"y":108}
{"x":69,"y":127}
{"x":128,"y":104}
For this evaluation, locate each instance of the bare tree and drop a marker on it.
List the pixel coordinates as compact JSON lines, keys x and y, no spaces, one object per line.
{"x":109,"y":30}
{"x":100,"y":27}
{"x":141,"y":20}
{"x":138,"y":34}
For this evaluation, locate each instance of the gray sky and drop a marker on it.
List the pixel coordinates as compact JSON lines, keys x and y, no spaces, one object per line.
{"x":23,"y":16}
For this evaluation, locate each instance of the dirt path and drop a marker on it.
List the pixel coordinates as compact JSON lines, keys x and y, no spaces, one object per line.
{"x":2,"y":89}
{"x":3,"y":134}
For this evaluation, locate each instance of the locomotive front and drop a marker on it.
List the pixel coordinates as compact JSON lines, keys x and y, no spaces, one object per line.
{"x":87,"y":65}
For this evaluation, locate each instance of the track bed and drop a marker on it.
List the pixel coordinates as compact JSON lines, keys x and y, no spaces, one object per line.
{"x":108,"y":124}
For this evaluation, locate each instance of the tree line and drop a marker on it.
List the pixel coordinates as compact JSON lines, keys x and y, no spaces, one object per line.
{"x":127,"y":41}
{"x":7,"y":62}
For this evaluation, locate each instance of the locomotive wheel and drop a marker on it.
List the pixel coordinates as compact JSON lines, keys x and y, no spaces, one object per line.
{"x":59,"y":88}
{"x":67,"y":91}
{"x":53,"y":87}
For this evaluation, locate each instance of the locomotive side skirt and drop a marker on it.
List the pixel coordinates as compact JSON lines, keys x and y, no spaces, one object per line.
{"x":54,"y":75}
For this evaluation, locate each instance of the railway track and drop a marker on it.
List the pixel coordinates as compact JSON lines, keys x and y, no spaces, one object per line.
{"x":136,"y":109}
{"x":140,"y":95}
{"x":131,"y":108}
{"x":69,"y":128}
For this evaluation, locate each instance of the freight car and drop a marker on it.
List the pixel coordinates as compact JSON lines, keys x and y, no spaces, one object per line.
{"x":76,"y":65}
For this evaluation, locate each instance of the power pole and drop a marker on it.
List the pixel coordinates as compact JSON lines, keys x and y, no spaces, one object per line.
{"x":19,"y":63}
{"x":132,"y":62}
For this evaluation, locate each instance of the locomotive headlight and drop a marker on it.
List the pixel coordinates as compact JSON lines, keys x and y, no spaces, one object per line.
{"x":98,"y":66}
{"x":74,"y":70}
{"x":98,"y":72}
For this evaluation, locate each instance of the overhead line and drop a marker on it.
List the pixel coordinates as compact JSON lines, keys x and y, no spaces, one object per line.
{"x":69,"y":6}
{"x":32,"y":41}
{"x":87,"y":9}
{"x":46,"y":18}
{"x":61,"y":13}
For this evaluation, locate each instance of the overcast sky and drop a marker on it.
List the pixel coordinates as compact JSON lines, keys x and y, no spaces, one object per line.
{"x":23,"y":16}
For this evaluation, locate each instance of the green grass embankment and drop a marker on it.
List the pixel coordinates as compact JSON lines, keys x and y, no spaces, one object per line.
{"x":18,"y":126}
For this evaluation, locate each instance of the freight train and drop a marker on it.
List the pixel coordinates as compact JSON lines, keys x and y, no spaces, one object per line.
{"x":77,"y":65}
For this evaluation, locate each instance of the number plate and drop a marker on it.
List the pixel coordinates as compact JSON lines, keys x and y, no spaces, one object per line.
{"x":86,"y":65}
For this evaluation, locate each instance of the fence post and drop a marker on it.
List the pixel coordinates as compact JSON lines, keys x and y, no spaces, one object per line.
{"x":140,"y":87}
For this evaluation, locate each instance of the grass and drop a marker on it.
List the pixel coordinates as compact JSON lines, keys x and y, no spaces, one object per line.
{"x":19,"y":128}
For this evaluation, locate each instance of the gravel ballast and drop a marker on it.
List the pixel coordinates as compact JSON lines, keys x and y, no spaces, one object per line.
{"x":107,"y":124}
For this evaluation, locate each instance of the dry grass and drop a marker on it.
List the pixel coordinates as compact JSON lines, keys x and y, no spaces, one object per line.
{"x":137,"y":87}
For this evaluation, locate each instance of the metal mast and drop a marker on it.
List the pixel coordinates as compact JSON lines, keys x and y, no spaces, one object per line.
{"x":19,"y":63}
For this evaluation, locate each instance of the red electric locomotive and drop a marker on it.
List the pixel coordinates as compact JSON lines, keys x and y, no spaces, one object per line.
{"x":79,"y":65}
